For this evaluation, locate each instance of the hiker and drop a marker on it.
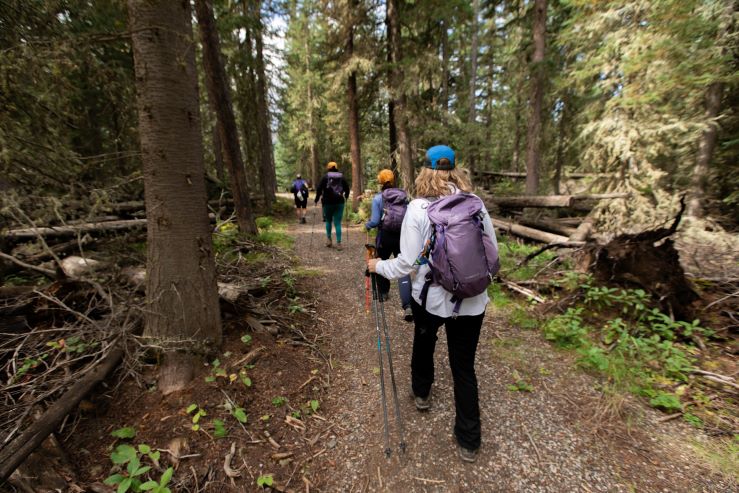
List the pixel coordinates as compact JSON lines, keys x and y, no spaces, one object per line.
{"x":388,"y":210}
{"x":333,"y":190}
{"x":300,"y":190}
{"x":468,"y":245}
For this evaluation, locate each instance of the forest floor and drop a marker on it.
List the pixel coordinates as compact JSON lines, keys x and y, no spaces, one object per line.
{"x":304,"y":412}
{"x":560,"y":436}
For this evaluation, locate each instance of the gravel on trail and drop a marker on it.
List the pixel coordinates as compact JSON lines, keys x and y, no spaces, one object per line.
{"x":557,"y":437}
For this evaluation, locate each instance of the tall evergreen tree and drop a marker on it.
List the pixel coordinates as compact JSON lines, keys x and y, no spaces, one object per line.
{"x":182,"y":298}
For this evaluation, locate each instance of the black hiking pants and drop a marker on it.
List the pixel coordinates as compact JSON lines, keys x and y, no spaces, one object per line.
{"x":462,"y":335}
{"x":388,"y":244}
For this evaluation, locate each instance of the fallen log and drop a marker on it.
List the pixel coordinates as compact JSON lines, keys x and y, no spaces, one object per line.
{"x":553,"y":201}
{"x":529,"y":233}
{"x":522,"y":175}
{"x":521,"y":290}
{"x":550,"y":226}
{"x":583,"y":230}
{"x":25,"y":234}
{"x":14,"y":453}
{"x":59,"y":249}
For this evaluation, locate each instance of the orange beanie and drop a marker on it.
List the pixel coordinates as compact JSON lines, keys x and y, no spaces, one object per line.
{"x":385,"y":176}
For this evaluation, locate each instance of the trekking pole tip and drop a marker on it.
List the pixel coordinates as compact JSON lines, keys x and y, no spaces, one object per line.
{"x":388,"y":452}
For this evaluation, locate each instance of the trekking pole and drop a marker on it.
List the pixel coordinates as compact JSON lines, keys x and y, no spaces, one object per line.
{"x":388,"y":450}
{"x":312,"y":227}
{"x":398,"y":417}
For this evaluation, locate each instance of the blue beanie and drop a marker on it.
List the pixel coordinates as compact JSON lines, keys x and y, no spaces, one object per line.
{"x":439,"y":158}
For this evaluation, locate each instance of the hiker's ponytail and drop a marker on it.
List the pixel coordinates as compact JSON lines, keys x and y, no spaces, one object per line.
{"x":435,"y":183}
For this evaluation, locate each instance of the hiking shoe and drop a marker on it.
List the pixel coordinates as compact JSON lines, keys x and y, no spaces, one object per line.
{"x":408,"y":314}
{"x":466,"y":454}
{"x":328,"y":243}
{"x":339,"y":247}
{"x":422,"y":403}
{"x":302,"y":220}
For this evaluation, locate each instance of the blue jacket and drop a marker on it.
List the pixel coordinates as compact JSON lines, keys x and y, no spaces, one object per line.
{"x":376,"y":212}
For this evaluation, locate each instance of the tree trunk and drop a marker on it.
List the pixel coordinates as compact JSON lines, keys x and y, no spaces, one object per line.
{"x":444,"y":68}
{"x":218,"y":88}
{"x":559,"y":159}
{"x":533,"y":136}
{"x":351,"y":95}
{"x":218,"y":155}
{"x":315,"y":170}
{"x":473,"y":86}
{"x":267,"y":161}
{"x":706,"y":147}
{"x":182,"y":300}
{"x":392,"y":128}
{"x":407,"y":170}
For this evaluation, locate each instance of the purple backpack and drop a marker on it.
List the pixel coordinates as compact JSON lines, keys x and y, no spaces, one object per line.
{"x":394,"y":205}
{"x":334,"y":184}
{"x":463,"y":259}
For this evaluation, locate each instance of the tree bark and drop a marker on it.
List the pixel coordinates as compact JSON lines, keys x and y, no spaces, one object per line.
{"x":315,"y":167}
{"x":182,"y":300}
{"x":559,"y":159}
{"x":218,"y":88}
{"x":706,"y":147}
{"x":267,"y":161}
{"x":353,"y":107}
{"x":444,"y":67}
{"x":407,"y":170}
{"x":530,"y":233}
{"x":392,"y":128}
{"x":534,"y":131}
{"x":473,"y":84}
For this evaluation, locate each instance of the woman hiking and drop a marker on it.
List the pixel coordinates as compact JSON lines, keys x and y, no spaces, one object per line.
{"x":335,"y":190}
{"x":388,"y":209}
{"x":441,"y":186}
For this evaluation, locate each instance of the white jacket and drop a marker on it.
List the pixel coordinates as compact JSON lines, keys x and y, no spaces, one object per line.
{"x":415,"y":231}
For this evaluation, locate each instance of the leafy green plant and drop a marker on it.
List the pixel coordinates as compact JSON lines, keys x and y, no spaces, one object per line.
{"x":567,"y":330}
{"x":279,"y":401}
{"x":130,"y":478}
{"x":246,"y":339}
{"x":219,"y":429}
{"x":197,"y":413}
{"x":264,"y":223}
{"x":665,"y":401}
{"x":127,"y":432}
{"x":216,"y":371}
{"x":265,"y":480}
{"x":295,"y":306}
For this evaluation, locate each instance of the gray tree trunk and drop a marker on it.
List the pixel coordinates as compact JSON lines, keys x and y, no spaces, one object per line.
{"x":218,"y":88}
{"x":407,"y":170}
{"x":267,"y":161}
{"x":701,"y":172}
{"x":473,"y":85}
{"x":353,"y":113}
{"x":534,"y":132}
{"x":182,"y":298}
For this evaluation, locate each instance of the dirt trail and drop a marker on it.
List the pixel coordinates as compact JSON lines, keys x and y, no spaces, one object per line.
{"x":554,"y":438}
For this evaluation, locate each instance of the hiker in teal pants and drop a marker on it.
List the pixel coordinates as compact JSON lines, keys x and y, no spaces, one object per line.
{"x":333,"y":190}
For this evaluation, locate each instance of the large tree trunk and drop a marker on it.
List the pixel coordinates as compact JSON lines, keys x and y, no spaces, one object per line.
{"x":218,"y":88}
{"x":559,"y":159}
{"x":533,"y":136}
{"x":267,"y":161}
{"x":473,"y":86}
{"x":182,"y":299}
{"x":351,"y":95}
{"x":392,"y":128}
{"x":407,"y":170}
{"x":315,"y":169}
{"x":705,"y":151}
{"x":444,"y":67}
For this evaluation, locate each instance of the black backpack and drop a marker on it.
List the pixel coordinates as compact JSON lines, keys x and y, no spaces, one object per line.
{"x":334,"y":188}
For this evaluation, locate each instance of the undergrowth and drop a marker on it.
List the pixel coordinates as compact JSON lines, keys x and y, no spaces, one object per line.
{"x":617,"y":333}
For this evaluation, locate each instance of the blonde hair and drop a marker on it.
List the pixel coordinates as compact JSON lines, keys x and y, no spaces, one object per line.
{"x":435,"y":183}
